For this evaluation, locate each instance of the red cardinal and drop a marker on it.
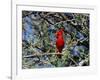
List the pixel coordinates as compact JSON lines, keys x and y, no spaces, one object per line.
{"x":59,"y":41}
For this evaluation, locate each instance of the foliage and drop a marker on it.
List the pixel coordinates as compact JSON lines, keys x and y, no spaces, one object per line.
{"x":38,"y":39}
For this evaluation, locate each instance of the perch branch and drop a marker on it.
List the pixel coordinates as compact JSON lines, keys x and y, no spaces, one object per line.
{"x":42,"y":54}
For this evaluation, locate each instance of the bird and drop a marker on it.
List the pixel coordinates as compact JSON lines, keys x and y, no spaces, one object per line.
{"x":59,"y":42}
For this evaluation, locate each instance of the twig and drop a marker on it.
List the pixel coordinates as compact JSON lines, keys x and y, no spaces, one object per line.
{"x":45,"y":19}
{"x":73,"y":61}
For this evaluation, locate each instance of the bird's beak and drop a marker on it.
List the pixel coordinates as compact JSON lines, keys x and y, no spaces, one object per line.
{"x":56,"y":33}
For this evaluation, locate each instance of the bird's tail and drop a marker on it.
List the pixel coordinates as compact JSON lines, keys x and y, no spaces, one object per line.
{"x":59,"y":55}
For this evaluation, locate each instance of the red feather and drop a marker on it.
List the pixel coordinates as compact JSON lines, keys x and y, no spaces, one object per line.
{"x":59,"y":41}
